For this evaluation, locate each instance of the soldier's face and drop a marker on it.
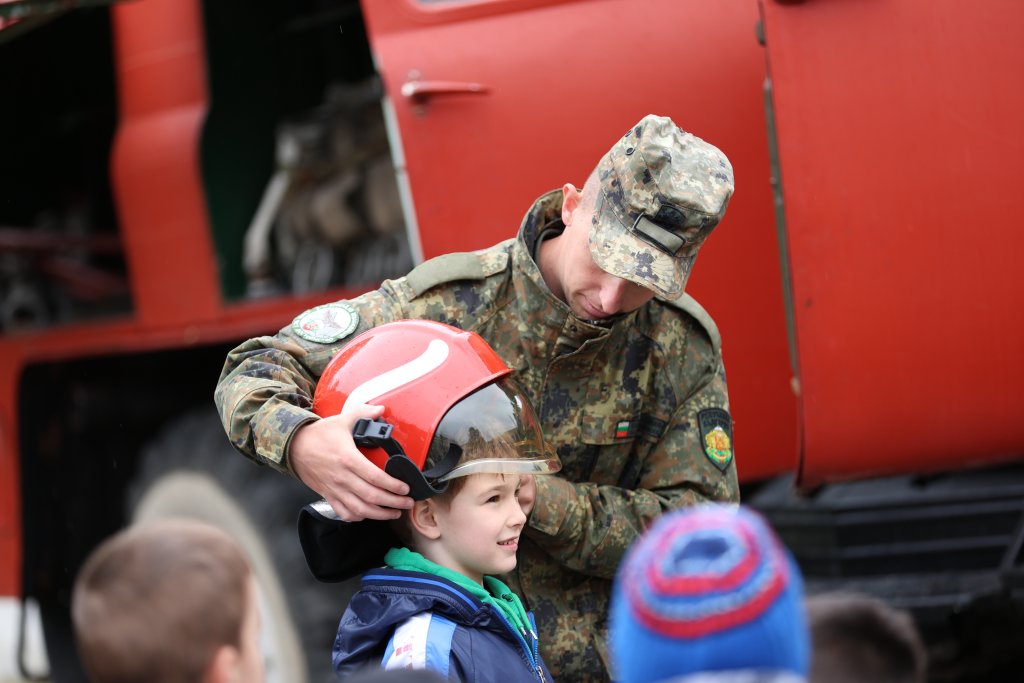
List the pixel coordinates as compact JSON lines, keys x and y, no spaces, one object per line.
{"x":590,"y":292}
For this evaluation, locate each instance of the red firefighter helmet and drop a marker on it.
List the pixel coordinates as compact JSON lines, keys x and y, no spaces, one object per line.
{"x":444,"y":390}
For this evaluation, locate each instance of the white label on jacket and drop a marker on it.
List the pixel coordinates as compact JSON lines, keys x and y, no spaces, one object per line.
{"x":421,"y":642}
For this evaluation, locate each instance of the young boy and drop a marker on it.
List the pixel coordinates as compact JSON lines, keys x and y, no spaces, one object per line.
{"x":861,"y":639}
{"x":466,"y":441}
{"x":709,"y":594}
{"x":172,"y":601}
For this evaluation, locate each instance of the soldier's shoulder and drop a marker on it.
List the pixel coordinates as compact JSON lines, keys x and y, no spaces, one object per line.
{"x":459,"y":266}
{"x":688,"y":313}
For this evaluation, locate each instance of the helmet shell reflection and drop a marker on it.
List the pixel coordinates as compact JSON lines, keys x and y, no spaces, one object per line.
{"x":417,"y":370}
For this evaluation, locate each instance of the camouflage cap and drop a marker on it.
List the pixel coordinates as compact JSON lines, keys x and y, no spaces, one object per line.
{"x":662,"y":191}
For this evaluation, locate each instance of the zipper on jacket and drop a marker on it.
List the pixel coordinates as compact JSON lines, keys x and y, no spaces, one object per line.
{"x":536,"y":647}
{"x":531,"y":656}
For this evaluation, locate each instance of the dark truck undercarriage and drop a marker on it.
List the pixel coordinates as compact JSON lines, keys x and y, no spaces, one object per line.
{"x":949,"y":548}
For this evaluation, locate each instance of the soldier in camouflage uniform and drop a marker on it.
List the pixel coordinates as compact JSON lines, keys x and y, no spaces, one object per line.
{"x":586,"y":305}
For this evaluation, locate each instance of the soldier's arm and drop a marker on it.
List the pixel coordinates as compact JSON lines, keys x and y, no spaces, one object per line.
{"x":264,"y":395}
{"x":588,"y":527}
{"x":265,"y":391}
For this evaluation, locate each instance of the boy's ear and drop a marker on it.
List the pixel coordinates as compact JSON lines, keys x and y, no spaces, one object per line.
{"x":223,"y":667}
{"x":423,"y":518}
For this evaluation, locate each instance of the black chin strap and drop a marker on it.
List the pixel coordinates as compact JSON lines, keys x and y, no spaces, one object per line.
{"x":447,"y":464}
{"x":377,"y":434}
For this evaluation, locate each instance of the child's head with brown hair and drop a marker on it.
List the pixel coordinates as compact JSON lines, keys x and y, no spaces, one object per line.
{"x":859,"y":638}
{"x":477,"y":447}
{"x":473,"y":525}
{"x":501,"y":447}
{"x":170,"y":601}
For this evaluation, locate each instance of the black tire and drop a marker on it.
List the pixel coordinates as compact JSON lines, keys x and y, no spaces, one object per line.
{"x":191,"y":470}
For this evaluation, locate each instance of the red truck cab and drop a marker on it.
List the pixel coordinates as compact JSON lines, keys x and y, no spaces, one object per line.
{"x":183,"y":174}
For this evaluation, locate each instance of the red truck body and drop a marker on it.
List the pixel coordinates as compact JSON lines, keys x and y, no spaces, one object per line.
{"x":864,"y":280}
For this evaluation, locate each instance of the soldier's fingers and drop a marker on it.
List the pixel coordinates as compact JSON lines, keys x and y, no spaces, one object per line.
{"x":353,"y":509}
{"x":370,"y":490}
{"x":527,"y":493}
{"x":394,"y":492}
{"x":359,"y":410}
{"x":377,"y":479}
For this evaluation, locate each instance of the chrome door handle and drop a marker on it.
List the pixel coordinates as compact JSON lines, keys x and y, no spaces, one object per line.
{"x":420,"y":91}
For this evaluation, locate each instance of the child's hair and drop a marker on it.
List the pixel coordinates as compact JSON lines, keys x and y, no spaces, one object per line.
{"x":155,"y":601}
{"x":860,"y":639}
{"x":477,"y":448}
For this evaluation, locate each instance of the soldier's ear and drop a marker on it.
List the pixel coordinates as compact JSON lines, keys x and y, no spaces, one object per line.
{"x":571,"y":198}
{"x":423,"y":518}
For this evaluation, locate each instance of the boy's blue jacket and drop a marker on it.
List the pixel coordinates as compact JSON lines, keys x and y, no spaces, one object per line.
{"x":440,"y":626}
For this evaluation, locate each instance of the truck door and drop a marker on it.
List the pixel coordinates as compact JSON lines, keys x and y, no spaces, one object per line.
{"x":900,"y":152}
{"x":493,"y":102}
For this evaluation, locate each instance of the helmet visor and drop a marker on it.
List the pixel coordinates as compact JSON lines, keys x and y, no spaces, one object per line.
{"x":497,"y":431}
{"x":548,"y":465}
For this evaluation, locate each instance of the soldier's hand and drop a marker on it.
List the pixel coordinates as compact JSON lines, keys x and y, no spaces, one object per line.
{"x":527,"y":493}
{"x":324,"y":456}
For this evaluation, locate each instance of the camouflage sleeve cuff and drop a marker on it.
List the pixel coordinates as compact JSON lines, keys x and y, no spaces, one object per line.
{"x":273,"y":432}
{"x":287,"y":464}
{"x":555,"y":496}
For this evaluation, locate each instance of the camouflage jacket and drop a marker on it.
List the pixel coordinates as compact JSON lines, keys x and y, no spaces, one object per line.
{"x":637,"y":411}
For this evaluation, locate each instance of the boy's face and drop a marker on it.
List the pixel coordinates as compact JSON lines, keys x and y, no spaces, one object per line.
{"x":480,"y":526}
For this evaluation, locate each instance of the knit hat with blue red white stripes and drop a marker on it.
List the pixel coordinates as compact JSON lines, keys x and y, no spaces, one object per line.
{"x":708,"y":589}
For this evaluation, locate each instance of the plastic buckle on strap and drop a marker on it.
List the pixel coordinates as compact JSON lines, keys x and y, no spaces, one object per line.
{"x":374,"y":433}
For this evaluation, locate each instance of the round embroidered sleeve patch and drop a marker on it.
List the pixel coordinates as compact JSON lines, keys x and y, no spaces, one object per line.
{"x":327,"y":323}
